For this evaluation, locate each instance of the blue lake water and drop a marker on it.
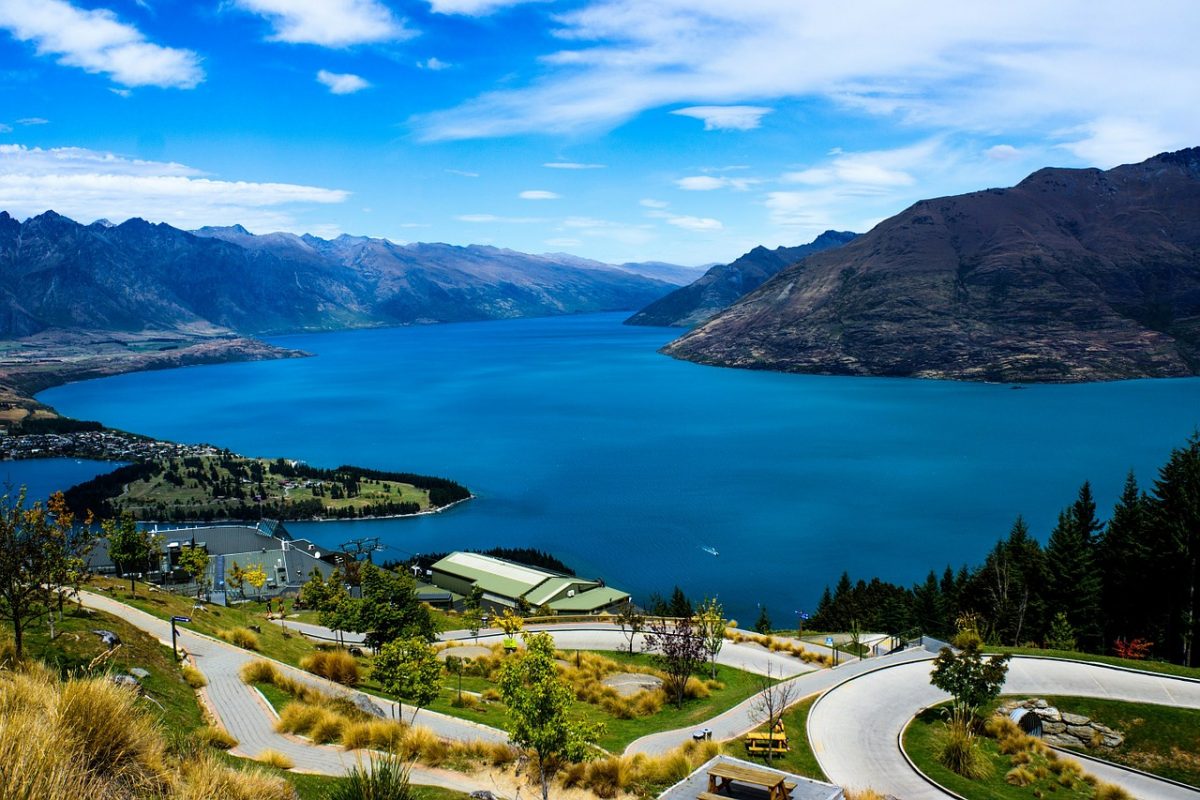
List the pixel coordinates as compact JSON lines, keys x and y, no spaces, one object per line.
{"x":581,"y":440}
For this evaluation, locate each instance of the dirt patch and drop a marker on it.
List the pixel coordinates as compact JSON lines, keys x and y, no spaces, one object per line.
{"x":628,"y":684}
{"x":467,"y":651}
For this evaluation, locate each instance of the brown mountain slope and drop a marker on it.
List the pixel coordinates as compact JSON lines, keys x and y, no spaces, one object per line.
{"x":1072,"y":275}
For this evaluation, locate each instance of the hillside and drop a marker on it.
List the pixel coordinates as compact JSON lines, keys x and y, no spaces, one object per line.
{"x":1072,"y":275}
{"x":718,"y":288}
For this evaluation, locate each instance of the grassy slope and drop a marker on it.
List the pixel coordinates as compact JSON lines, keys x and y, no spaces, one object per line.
{"x":1162,"y":740}
{"x":800,"y":759}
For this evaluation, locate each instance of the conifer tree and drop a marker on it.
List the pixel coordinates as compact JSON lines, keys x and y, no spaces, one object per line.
{"x":1071,"y":565}
{"x":1176,"y":519}
{"x":1126,"y":563}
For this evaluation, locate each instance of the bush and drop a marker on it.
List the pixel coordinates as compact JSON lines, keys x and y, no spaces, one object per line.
{"x":240,"y":637}
{"x":960,"y":752}
{"x":490,"y":695}
{"x":276,"y":759}
{"x":695,"y":689}
{"x":1108,"y":791}
{"x":259,"y":672}
{"x":212,"y":736}
{"x":194,"y":677}
{"x":1019,"y":776}
{"x":337,"y":666}
{"x":387,"y":779}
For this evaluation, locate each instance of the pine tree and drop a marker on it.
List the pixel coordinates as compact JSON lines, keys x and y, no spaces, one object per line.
{"x":1127,"y":567}
{"x":1176,"y":519}
{"x":1074,"y":579}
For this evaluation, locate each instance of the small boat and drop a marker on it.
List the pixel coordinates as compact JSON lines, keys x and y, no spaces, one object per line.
{"x":712,"y":551}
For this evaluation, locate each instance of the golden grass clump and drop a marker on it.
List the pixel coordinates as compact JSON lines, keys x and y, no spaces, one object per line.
{"x":259,"y":672}
{"x":276,"y":759}
{"x":960,"y":754}
{"x":490,"y":695}
{"x":1109,"y":791}
{"x":696,"y":689}
{"x":194,"y":677}
{"x":239,"y":637}
{"x":863,"y":794}
{"x":1019,"y":776}
{"x":212,"y":736}
{"x":337,"y":666}
{"x":206,"y":778}
{"x":465,"y":700}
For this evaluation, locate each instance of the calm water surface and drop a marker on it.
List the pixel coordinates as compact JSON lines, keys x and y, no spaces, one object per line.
{"x":580,"y":439}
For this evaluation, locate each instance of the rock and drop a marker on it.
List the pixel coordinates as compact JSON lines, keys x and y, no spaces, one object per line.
{"x":139,"y":673}
{"x":256,"y":628}
{"x":1081,"y":732}
{"x":1075,"y":719}
{"x":1052,"y":714}
{"x":110,"y":639}
{"x":1040,"y":704}
{"x":355,"y":651}
{"x":1053,"y":727}
{"x":1113,"y":740}
{"x":126,"y":680}
{"x":366,"y":705}
{"x":483,"y":794}
{"x":1061,"y":739}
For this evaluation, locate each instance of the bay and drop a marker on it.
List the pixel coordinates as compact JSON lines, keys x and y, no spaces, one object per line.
{"x":580,"y":439}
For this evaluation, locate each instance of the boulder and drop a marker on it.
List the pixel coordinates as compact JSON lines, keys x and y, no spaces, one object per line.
{"x":366,"y":705}
{"x":139,"y":673}
{"x":1075,"y":719}
{"x":1051,"y":713}
{"x":1081,"y":732}
{"x":1053,"y":727}
{"x":1040,"y":704}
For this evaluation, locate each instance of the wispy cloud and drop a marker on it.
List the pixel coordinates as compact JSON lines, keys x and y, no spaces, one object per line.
{"x":494,"y":218}
{"x":696,"y":224}
{"x":329,"y":23}
{"x":538,"y":194}
{"x":33,"y":121}
{"x":97,"y":41}
{"x":726,"y":118}
{"x":462,"y":173}
{"x":959,"y":68}
{"x":650,"y":202}
{"x":707,"y":183}
{"x":434,"y":64}
{"x":88,"y":184}
{"x":572,"y":165}
{"x":342,"y":82}
{"x":475,"y":8}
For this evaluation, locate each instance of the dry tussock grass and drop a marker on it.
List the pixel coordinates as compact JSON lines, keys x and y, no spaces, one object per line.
{"x":788,"y":646}
{"x":337,"y":666}
{"x":240,"y":637}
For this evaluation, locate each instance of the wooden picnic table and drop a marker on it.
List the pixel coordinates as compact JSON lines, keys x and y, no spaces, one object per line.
{"x":721,"y":775}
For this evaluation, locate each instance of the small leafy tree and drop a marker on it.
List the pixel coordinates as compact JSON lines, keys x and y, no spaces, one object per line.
{"x":236,"y":580}
{"x":256,"y":576}
{"x":632,"y":622}
{"x":194,"y":561}
{"x":972,"y":681}
{"x":711,"y":622}
{"x":129,"y":547}
{"x":457,"y":666}
{"x":1062,"y":634}
{"x":33,"y":548}
{"x":410,"y":669}
{"x":473,"y":617}
{"x":763,"y":625}
{"x":539,"y":704}
{"x":678,"y":649}
{"x":511,"y":624}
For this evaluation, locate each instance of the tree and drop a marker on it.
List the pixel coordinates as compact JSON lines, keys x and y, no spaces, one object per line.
{"x":539,"y":704}
{"x":457,"y":666}
{"x":33,"y":549}
{"x":194,"y":561}
{"x":632,"y":622}
{"x":1061,"y":635}
{"x":1126,"y":560}
{"x":474,"y":619}
{"x":129,"y":547}
{"x":773,"y":698}
{"x":389,"y":608}
{"x":1176,"y":518}
{"x":1071,"y":564}
{"x":1010,"y":587}
{"x":71,"y":564}
{"x":763,"y":624}
{"x":968,"y":677}
{"x":679,"y":606}
{"x":711,"y":622}
{"x":236,"y":580}
{"x":256,"y":576}
{"x":410,"y":669}
{"x":511,"y":624}
{"x":678,"y":649}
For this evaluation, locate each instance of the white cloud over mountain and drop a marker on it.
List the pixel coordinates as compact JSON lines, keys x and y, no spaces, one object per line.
{"x":97,"y":41}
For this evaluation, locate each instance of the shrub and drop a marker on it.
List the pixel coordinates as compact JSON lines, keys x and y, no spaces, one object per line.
{"x":387,"y":779}
{"x":695,"y":689}
{"x":327,"y":728}
{"x":109,"y":733}
{"x":490,"y":695}
{"x":239,"y":637}
{"x":212,"y":736}
{"x":337,"y":666}
{"x":206,"y":778}
{"x":1019,"y":776}
{"x":960,"y":752}
{"x":194,"y":677}
{"x":1109,"y":791}
{"x":259,"y":672}
{"x":276,"y":759}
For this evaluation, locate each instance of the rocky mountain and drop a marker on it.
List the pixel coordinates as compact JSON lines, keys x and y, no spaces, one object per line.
{"x":718,"y":288}
{"x":1072,"y":275}
{"x":58,"y":274}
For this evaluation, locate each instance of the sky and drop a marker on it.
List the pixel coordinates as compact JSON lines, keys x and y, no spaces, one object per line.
{"x":686,"y":131}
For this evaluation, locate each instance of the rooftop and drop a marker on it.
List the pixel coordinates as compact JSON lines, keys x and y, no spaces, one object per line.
{"x":695,"y":784}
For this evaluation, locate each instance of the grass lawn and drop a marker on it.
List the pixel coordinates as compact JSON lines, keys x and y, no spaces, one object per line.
{"x":1162,"y":740}
{"x":1161,"y":667}
{"x":800,"y":759}
{"x":273,"y":641}
{"x":922,"y":741}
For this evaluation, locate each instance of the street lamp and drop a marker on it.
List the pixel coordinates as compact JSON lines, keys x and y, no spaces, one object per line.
{"x":802,"y":615}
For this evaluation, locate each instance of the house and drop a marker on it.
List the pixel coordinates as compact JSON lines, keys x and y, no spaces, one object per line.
{"x":288,"y":562}
{"x":507,"y":584}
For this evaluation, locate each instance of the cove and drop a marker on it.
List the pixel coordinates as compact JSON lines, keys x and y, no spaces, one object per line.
{"x":580,"y":439}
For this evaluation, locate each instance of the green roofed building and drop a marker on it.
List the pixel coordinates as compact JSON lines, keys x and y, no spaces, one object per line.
{"x":506,"y":584}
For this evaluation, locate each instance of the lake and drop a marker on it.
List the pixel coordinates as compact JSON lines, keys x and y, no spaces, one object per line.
{"x":580,"y":439}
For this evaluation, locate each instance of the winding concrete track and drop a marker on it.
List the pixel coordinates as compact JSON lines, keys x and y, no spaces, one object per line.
{"x":855,"y":727}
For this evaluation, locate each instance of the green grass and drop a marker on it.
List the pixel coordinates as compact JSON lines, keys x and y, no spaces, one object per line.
{"x":321,"y":787}
{"x":800,"y":759}
{"x":75,"y":647}
{"x":275,"y":642}
{"x":922,"y":742}
{"x":274,"y":695}
{"x":1160,"y":667}
{"x":1161,"y":740}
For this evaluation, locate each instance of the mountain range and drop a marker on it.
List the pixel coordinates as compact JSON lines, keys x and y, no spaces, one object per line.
{"x":58,"y":274}
{"x":718,"y":288}
{"x":1071,"y":275}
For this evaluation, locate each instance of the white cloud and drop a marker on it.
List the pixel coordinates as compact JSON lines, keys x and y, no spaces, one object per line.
{"x":707,"y":183}
{"x":726,"y":118}
{"x":1109,"y":141}
{"x":538,"y":194}
{"x":652,"y":203}
{"x":5,"y":128}
{"x":1026,"y":68}
{"x":328,"y":23}
{"x":493,"y":218}
{"x":572,"y":165}
{"x":434,"y":64}
{"x":1002,"y":152}
{"x":462,"y":173}
{"x":342,"y":82}
{"x":88,"y":184}
{"x":97,"y":41}
{"x":33,"y":121}
{"x":609,"y":231}
{"x":474,"y":8}
{"x":696,"y":224}
{"x":126,"y":93}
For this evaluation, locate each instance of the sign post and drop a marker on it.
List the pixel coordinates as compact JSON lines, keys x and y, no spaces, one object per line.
{"x":175,"y":634}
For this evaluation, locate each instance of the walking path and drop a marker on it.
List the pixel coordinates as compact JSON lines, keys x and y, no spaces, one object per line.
{"x":855,"y":727}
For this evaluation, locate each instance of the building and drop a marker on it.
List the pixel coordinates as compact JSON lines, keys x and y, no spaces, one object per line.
{"x":506,"y":584}
{"x":288,"y":562}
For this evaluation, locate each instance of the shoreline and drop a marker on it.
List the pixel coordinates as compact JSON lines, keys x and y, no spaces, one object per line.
{"x":227,"y":520}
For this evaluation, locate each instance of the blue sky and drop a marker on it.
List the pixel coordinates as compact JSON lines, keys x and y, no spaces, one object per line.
{"x":678,"y":130}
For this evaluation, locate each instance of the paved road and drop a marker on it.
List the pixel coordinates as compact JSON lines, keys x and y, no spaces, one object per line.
{"x":242,"y":712}
{"x":854,"y":728}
